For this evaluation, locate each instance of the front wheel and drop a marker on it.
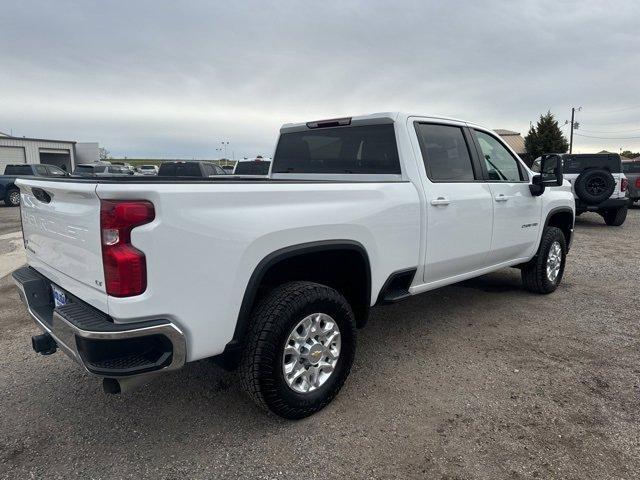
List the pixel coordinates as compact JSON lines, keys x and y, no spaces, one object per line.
{"x":544,"y":272}
{"x":615,"y":217}
{"x":299,"y":349}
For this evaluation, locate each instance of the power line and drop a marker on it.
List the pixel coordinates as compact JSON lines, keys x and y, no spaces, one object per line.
{"x":612,"y":111}
{"x":611,"y":131}
{"x":606,"y":138}
{"x":612,"y":123}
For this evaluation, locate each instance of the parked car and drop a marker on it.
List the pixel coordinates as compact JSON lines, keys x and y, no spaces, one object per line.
{"x":598,"y":184}
{"x":632,"y":172}
{"x":273,"y":276}
{"x":124,"y":164}
{"x":101,"y":170}
{"x":147,"y":170}
{"x":190,"y":169}
{"x":10,"y":193}
{"x":252,"y":166}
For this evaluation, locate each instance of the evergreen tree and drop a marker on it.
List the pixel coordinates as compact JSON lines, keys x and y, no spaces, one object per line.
{"x":545,"y":137}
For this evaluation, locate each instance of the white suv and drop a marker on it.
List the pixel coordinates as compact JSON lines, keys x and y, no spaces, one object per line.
{"x":598,"y":184}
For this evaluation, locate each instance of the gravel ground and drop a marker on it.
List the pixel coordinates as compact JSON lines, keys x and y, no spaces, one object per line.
{"x":477,"y":380}
{"x":9,"y":219}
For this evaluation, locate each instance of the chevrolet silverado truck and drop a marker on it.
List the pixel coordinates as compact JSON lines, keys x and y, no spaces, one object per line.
{"x":135,"y":276}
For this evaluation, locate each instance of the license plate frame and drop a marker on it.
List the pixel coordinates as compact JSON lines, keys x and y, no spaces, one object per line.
{"x":59,"y":296}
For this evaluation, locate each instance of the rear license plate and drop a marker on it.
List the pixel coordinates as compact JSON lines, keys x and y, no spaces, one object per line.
{"x":59,"y":298}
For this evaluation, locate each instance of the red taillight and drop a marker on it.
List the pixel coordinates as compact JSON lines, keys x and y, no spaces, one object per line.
{"x":624,"y":184}
{"x":638,"y":182}
{"x":125,"y":267}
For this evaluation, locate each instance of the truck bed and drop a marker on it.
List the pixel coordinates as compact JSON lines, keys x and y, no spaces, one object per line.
{"x":225,"y":226}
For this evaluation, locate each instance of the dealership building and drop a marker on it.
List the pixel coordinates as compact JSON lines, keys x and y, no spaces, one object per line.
{"x":63,"y":153}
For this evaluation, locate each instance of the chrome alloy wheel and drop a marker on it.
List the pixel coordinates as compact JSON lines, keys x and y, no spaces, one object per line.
{"x":14,"y":197}
{"x":311,"y":353}
{"x":554,"y":261}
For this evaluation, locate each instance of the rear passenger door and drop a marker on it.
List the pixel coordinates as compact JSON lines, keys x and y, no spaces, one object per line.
{"x":516,"y":212}
{"x":458,"y":202}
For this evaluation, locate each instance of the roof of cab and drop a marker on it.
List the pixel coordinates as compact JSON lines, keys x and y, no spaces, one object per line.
{"x":371,"y":119}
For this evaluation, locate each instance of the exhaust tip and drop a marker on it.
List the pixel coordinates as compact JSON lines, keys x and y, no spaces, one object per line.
{"x":111,"y":385}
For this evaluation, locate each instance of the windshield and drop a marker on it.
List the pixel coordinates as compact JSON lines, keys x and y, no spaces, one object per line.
{"x":58,"y":172}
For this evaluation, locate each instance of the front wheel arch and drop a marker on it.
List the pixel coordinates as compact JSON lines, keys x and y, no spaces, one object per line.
{"x":562,"y":218}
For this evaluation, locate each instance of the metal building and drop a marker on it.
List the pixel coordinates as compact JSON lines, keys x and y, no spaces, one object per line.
{"x":513,"y":139}
{"x":36,"y":150}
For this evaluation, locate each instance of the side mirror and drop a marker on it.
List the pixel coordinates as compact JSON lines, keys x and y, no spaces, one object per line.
{"x":550,"y":174}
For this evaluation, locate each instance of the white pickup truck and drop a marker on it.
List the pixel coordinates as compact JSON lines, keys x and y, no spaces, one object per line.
{"x":137,"y":275}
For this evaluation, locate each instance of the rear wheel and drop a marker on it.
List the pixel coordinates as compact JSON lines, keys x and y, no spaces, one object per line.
{"x":12,"y":197}
{"x":544,"y":272}
{"x":299,"y":349}
{"x":615,"y":217}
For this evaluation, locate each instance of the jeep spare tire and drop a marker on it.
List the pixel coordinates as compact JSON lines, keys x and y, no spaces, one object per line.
{"x":594,"y":186}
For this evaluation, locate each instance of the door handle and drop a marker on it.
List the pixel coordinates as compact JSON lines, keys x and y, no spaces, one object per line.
{"x":441,"y":201}
{"x":501,"y":198}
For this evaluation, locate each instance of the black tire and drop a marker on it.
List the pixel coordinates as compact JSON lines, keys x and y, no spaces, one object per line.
{"x":615,"y":217}
{"x":272,"y":321}
{"x":534,"y":274}
{"x":11,"y":199}
{"x":594,"y":186}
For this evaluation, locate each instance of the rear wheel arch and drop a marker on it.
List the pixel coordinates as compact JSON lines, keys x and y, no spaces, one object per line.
{"x":340,"y":264}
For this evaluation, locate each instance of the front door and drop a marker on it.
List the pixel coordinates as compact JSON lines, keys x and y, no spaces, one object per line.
{"x":516,"y":213}
{"x":459,"y":203}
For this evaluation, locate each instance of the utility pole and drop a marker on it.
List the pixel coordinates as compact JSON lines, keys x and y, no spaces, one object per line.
{"x":573,"y":113}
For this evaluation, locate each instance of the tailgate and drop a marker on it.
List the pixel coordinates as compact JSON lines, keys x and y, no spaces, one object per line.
{"x":61,"y":223}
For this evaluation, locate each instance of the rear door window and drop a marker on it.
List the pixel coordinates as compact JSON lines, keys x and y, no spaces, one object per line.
{"x":445,"y":153}
{"x":368,"y":149}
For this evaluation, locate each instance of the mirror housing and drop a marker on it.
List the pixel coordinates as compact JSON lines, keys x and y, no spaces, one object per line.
{"x":550,"y":174}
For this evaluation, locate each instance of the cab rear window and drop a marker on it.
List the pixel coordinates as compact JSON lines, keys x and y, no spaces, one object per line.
{"x":180,"y":169}
{"x":631,"y":167}
{"x":258,"y":167}
{"x":18,"y":170}
{"x":369,"y":149}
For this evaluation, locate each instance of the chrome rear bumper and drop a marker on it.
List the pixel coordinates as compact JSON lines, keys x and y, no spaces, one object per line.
{"x":92,"y":339}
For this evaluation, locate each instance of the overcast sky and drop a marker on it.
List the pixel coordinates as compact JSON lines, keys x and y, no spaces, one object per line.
{"x":174,"y":79}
